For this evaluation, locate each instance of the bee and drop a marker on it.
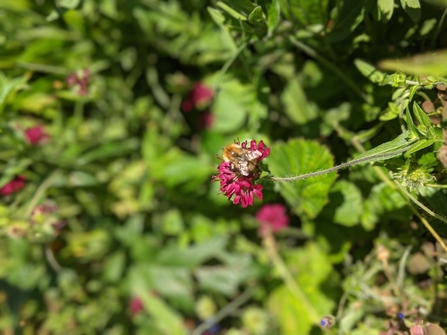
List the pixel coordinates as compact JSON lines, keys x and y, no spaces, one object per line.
{"x":242,"y":160}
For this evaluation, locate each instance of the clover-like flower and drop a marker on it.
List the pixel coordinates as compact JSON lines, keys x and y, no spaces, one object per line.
{"x":36,"y":135}
{"x":199,"y":97}
{"x":272,"y":217}
{"x":13,"y":186}
{"x":239,"y":171}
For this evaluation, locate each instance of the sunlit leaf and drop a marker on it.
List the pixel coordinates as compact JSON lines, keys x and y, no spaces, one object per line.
{"x":297,"y":107}
{"x":298,"y":157}
{"x":428,"y":64}
{"x":311,"y":268}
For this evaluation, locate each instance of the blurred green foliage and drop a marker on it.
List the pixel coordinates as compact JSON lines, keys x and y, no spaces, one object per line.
{"x":112,"y":112}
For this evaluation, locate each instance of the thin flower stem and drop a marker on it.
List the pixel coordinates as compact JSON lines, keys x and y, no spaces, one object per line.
{"x":377,"y":157}
{"x":424,"y":221}
{"x":437,"y":186}
{"x":438,"y":29}
{"x":40,"y":191}
{"x":225,"y":311}
{"x":272,"y":252}
{"x":227,"y":65}
{"x":43,"y":68}
{"x":406,"y":196}
{"x":52,"y":260}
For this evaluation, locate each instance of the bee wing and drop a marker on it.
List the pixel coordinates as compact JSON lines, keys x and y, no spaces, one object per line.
{"x":253,"y":155}
{"x":243,"y":168}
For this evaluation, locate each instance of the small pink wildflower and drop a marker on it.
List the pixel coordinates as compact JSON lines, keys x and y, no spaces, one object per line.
{"x":36,"y":135}
{"x":238,"y":188}
{"x":273,"y":217}
{"x":199,"y":97}
{"x":135,"y":306}
{"x":13,"y":186}
{"x":81,"y":79}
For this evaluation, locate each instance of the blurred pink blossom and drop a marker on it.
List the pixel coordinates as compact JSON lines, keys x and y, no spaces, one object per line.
{"x":36,"y":135}
{"x":272,"y":216}
{"x":13,"y":186}
{"x":135,"y":306}
{"x":199,"y":97}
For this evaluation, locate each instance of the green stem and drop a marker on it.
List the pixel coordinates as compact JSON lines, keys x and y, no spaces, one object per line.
{"x":424,"y":221}
{"x":292,"y":285}
{"x":225,"y":311}
{"x":43,"y":68}
{"x":40,"y":191}
{"x":366,"y":159}
{"x":227,"y":65}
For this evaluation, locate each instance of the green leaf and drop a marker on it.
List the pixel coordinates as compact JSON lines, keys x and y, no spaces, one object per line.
{"x":231,"y":105}
{"x":71,"y":4}
{"x":114,"y":266}
{"x":398,"y":143}
{"x":309,"y":12}
{"x":414,"y":132}
{"x":312,"y":268}
{"x":237,"y":12}
{"x":428,"y":64}
{"x":386,"y":8}
{"x":297,"y":108}
{"x":349,"y":17}
{"x":170,"y":281}
{"x":383,"y":204}
{"x":165,"y":317}
{"x":412,"y":8}
{"x":298,"y":157}
{"x":345,"y":204}
{"x":192,"y":256}
{"x":273,"y":15}
{"x":424,"y":120}
{"x":419,"y":145}
{"x":108,"y":150}
{"x":371,"y":72}
{"x":9,"y":87}
{"x":220,"y":279}
{"x":256,"y":15}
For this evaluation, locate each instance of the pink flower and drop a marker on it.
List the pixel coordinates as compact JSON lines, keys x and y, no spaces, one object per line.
{"x":199,"y":97}
{"x":13,"y":186}
{"x":135,"y":306}
{"x":36,"y":135}
{"x":272,"y":216}
{"x":80,"y":79}
{"x":239,"y":188}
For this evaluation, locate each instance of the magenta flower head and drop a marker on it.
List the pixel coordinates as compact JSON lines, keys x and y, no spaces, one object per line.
{"x":199,"y":97}
{"x":135,"y":306}
{"x":36,"y":135}
{"x":272,"y":217}
{"x":239,"y":171}
{"x":13,"y":186}
{"x":80,"y":80}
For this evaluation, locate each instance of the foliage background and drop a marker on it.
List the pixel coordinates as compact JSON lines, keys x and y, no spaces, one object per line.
{"x":148,"y":245}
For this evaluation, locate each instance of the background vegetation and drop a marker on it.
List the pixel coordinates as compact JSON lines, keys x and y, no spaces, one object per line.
{"x":112,"y":112}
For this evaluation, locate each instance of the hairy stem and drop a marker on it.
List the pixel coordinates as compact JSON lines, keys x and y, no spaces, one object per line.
{"x":371,"y":158}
